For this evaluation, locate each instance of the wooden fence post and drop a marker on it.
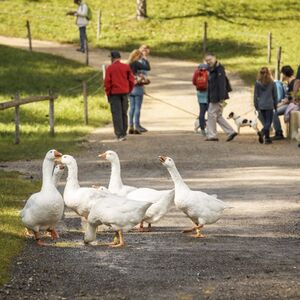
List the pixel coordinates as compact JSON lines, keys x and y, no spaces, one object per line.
{"x":269,"y":47}
{"x":17,"y":121}
{"x":29,"y":35}
{"x":85,"y":101}
{"x":204,"y":42}
{"x":99,"y":25}
{"x":278,"y":63}
{"x":86,"y":51}
{"x":51,"y":113}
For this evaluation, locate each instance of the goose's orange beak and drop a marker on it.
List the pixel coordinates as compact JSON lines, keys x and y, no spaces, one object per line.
{"x":57,"y":154}
{"x":102,"y":155}
{"x":162,"y":158}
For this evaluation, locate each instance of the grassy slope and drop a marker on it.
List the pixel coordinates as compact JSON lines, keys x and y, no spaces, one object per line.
{"x":13,"y":189}
{"x":237,"y":29}
{"x":33,"y":74}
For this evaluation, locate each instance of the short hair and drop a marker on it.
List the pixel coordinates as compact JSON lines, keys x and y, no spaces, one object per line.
{"x":209,"y":54}
{"x":287,"y":71}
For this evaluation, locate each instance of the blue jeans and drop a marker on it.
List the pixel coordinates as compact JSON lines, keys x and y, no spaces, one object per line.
{"x":267,"y":115}
{"x":82,"y":35}
{"x":135,"y":110}
{"x":203,"y":110}
{"x":276,"y":122}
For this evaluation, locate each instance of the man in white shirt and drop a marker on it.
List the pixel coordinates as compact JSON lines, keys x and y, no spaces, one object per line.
{"x":81,"y":21}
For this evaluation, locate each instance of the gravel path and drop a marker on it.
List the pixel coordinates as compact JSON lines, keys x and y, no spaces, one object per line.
{"x":251,"y":253}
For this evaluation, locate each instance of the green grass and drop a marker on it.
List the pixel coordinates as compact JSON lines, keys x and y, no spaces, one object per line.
{"x":237,"y":30}
{"x":33,"y":74}
{"x":13,"y":189}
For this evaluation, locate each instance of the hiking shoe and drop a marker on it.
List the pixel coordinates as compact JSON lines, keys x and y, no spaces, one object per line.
{"x":122,"y":138}
{"x":136,"y":131}
{"x":131,"y":130}
{"x":231,"y":137}
{"x":142,"y":129}
{"x":267,"y":141}
{"x":277,"y":137}
{"x":203,"y":132}
{"x":212,"y":140}
{"x":80,"y":50}
{"x":260,"y":137}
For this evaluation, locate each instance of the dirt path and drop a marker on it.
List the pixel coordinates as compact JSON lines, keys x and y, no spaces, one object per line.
{"x":251,"y":253}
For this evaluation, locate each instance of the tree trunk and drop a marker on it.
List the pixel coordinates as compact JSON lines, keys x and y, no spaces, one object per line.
{"x":141,"y":9}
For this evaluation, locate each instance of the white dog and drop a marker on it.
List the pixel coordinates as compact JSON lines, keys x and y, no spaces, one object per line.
{"x":242,"y":122}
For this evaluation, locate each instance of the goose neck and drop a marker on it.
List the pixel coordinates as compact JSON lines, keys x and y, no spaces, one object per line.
{"x":177,"y":179}
{"x":115,"y":176}
{"x":72,"y":179}
{"x":48,"y":166}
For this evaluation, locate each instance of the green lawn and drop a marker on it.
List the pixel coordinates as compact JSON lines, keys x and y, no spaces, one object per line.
{"x":237,"y":30}
{"x":33,"y":74}
{"x":14,"y":188}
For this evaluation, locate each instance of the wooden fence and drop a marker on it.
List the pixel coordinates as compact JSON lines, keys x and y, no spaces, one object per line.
{"x":17,"y":102}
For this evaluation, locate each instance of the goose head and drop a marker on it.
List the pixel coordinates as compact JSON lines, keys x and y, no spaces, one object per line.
{"x":67,"y":160}
{"x":58,"y":169}
{"x":109,"y":155}
{"x":166,"y":161}
{"x":53,"y":154}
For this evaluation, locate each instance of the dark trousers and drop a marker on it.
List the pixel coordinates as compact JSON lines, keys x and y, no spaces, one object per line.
{"x":203,"y":110}
{"x":119,"y":108}
{"x":267,"y":115}
{"x":82,"y":35}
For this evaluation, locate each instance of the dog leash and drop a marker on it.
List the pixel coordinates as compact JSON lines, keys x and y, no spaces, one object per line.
{"x":172,"y":105}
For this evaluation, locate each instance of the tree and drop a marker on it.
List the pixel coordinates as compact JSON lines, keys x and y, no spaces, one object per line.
{"x":141,"y":9}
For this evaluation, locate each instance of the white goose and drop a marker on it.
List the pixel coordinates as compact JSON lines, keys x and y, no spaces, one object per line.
{"x":44,"y":209}
{"x":161,"y":200}
{"x":116,"y":185}
{"x":79,"y":199}
{"x":120,"y":214}
{"x":57,"y":174}
{"x":200,"y":207}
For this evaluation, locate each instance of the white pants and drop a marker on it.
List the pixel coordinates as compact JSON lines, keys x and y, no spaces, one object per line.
{"x":215,"y":111}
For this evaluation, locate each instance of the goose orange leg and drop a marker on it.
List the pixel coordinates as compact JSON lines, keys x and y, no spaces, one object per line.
{"x":121,"y":240}
{"x":54,"y":234}
{"x":198,"y":232}
{"x":38,"y":240}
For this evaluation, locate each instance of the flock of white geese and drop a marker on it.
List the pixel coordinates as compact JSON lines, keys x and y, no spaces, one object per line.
{"x":121,"y":207}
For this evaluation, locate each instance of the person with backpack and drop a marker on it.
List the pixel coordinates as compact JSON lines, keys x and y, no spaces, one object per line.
{"x":265,"y":102}
{"x":200,"y":81}
{"x":218,"y":89}
{"x":83,"y":16}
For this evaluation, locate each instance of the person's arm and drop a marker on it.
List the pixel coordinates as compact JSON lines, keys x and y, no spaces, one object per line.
{"x":107,"y":82}
{"x":82,"y":11}
{"x":130,"y":80}
{"x":255,"y":100}
{"x":296,"y":88}
{"x":195,"y":78}
{"x":221,"y":77}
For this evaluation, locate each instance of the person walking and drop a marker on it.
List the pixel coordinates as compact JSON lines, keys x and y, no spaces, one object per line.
{"x":218,"y":88}
{"x":136,"y":96}
{"x":82,"y":21}
{"x":118,"y":82}
{"x":200,"y":81}
{"x":265,"y":101}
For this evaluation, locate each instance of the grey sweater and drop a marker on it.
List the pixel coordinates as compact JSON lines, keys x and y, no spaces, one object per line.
{"x":265,"y":96}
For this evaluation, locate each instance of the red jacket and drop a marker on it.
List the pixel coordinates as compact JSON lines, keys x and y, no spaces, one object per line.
{"x":119,"y":79}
